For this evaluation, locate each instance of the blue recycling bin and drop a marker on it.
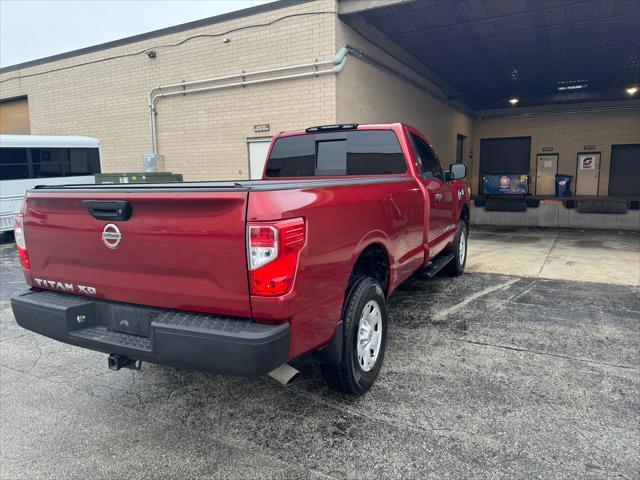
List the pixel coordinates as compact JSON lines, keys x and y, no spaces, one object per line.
{"x":563,"y":185}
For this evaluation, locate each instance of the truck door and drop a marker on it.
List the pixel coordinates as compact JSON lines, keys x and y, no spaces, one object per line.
{"x":440,"y":214}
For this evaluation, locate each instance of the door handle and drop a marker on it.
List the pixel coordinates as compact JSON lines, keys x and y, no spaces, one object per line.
{"x":438,"y":197}
{"x":108,"y":209}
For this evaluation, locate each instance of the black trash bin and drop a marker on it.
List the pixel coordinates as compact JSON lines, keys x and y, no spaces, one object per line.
{"x":563,"y":185}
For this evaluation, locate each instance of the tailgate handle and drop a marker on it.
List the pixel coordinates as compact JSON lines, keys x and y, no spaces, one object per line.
{"x":108,"y":209}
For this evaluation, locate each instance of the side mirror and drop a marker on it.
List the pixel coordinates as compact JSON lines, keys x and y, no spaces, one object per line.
{"x":458,"y":171}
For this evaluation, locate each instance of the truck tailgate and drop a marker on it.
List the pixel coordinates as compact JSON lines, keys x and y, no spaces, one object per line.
{"x":179,"y":249}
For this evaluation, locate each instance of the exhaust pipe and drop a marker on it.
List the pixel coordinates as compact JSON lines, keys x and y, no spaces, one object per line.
{"x":284,"y":374}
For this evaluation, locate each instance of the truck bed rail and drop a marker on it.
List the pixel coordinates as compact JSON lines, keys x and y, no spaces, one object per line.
{"x":223,"y":186}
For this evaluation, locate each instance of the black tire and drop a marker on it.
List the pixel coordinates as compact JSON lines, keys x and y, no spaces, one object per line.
{"x":456,"y":266}
{"x":349,"y":376}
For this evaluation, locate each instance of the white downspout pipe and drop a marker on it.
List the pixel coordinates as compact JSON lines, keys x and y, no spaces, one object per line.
{"x":337,"y":64}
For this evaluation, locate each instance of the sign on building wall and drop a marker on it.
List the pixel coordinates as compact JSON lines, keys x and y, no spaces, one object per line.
{"x":586,"y":162}
{"x":263,"y":127}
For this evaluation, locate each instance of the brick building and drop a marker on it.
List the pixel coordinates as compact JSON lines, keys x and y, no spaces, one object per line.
{"x":103,"y":91}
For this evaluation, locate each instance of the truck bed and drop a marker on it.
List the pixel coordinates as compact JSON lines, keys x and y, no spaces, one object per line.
{"x":184,"y":246}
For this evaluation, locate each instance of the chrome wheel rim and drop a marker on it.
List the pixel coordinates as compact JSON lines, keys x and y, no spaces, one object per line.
{"x":462,"y":248}
{"x":369,"y":335}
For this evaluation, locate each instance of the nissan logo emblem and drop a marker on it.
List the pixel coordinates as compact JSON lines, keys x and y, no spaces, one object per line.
{"x":111,"y":235}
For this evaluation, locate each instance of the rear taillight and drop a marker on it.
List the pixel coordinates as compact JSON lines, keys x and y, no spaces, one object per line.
{"x":21,"y":244}
{"x":272,"y":252}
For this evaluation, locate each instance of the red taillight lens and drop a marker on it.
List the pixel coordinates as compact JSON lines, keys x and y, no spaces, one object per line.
{"x":263,"y":245}
{"x":273,"y":255}
{"x":21,"y":244}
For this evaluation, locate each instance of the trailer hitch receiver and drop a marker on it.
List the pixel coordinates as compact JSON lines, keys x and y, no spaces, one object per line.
{"x":116,"y":362}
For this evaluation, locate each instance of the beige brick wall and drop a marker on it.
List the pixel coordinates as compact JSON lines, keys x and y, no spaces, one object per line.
{"x":201,"y":135}
{"x":567,"y":133}
{"x":366,"y":94}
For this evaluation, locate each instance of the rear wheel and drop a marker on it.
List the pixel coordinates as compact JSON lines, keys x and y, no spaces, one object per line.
{"x":364,"y":339}
{"x":456,"y":266}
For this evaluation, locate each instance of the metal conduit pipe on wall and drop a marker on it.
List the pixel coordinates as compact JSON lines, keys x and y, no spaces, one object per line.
{"x":337,"y":64}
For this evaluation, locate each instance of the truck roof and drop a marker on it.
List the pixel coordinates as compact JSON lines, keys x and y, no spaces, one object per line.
{"x":343,"y":127}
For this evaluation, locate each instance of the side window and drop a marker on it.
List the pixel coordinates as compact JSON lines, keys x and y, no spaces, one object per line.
{"x":78,"y":161}
{"x":94,"y":160}
{"x":427,"y":161}
{"x":82,"y":161}
{"x":21,"y":163}
{"x":13,"y":164}
{"x":46,"y":162}
{"x":374,"y":152}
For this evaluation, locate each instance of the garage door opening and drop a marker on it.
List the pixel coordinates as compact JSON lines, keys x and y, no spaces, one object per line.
{"x":508,"y":156}
{"x":624,"y":176}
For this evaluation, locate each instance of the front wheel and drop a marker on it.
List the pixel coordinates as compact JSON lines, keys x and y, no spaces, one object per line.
{"x":456,"y":266}
{"x":364,"y":339}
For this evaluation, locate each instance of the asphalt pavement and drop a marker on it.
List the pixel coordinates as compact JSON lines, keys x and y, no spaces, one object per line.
{"x":485,"y":376}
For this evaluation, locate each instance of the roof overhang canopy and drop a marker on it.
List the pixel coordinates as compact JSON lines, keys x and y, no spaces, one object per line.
{"x":488,"y":52}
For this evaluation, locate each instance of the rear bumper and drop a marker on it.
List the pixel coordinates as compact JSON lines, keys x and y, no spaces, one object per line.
{"x":6,"y":222}
{"x":234,"y":346}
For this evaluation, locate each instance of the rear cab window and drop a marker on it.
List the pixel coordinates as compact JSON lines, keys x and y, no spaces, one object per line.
{"x":358,"y":152}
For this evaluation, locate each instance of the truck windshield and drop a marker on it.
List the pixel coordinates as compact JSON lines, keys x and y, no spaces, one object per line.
{"x":359,"y":152}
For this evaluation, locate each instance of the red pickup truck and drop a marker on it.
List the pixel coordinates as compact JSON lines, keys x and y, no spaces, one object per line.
{"x":241,"y":277}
